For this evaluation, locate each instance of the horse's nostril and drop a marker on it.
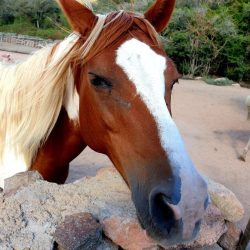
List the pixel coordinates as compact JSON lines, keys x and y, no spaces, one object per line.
{"x":164,"y":214}
{"x":175,"y":209}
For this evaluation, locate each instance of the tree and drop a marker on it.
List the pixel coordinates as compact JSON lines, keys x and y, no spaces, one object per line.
{"x":35,"y":10}
{"x":211,"y":37}
{"x":6,"y":14}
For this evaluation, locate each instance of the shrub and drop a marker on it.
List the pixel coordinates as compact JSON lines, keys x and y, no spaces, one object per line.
{"x":6,"y":19}
{"x":208,"y":37}
{"x":219,"y":81}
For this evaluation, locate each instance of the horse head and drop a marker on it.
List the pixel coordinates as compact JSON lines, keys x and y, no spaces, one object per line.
{"x":123,"y":86}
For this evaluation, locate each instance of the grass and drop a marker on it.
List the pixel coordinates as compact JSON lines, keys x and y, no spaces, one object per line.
{"x":219,"y":81}
{"x":26,"y":28}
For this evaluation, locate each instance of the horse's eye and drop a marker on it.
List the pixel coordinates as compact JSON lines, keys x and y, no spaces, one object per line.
{"x":99,"y":81}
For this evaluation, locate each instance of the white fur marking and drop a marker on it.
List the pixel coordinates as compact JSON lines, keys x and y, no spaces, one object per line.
{"x":11,"y":164}
{"x":145,"y":68}
{"x":71,"y":100}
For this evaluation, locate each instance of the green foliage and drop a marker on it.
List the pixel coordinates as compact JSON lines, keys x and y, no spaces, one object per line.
{"x":22,"y":26}
{"x":7,"y":19}
{"x":205,"y":37}
{"x":33,"y":10}
{"x":211,"y":37}
{"x":111,"y":5}
{"x":219,"y":81}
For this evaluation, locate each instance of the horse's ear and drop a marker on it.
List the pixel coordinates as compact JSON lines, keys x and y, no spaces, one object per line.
{"x":160,"y":13}
{"x":80,"y":17}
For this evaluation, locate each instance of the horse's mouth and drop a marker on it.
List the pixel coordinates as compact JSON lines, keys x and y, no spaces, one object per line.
{"x":168,"y":223}
{"x":174,"y":236}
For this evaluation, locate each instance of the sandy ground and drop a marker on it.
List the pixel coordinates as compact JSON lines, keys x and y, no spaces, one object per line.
{"x":212,"y":121}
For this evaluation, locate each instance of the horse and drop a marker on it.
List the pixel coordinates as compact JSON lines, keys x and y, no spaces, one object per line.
{"x":107,"y":86}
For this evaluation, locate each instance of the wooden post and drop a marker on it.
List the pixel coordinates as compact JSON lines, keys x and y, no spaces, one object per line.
{"x":245,"y":238}
{"x":244,"y":153}
{"x":132,"y":5}
{"x":248,"y":107}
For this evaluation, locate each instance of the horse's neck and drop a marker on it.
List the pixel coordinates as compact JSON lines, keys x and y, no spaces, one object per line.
{"x":63,"y":145}
{"x":31,"y":98}
{"x":53,"y":157}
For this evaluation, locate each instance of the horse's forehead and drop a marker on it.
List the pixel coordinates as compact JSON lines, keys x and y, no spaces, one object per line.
{"x":143,"y":66}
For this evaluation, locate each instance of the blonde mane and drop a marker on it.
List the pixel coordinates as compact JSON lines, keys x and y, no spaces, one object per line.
{"x":32,"y":93}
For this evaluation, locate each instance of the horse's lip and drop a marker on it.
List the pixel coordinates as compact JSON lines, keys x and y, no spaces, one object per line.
{"x":173,"y":240}
{"x":173,"y":237}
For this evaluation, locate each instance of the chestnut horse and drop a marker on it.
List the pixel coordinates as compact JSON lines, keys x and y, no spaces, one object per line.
{"x":108,"y":85}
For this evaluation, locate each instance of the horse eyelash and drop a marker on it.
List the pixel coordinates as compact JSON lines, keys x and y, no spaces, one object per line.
{"x":99,"y":81}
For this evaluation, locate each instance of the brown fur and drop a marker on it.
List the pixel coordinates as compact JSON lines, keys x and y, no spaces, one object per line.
{"x":115,"y":32}
{"x":118,"y":27}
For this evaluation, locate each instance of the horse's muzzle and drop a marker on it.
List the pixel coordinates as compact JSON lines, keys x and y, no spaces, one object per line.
{"x":169,"y":218}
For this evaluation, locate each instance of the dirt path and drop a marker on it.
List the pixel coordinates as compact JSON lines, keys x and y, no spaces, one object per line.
{"x":213,"y":123}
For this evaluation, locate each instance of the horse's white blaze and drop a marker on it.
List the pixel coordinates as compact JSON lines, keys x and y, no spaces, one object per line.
{"x":71,"y":100}
{"x":11,"y":164}
{"x":145,"y":69}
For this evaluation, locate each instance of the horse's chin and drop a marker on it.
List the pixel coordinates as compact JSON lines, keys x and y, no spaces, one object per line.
{"x":165,"y":236}
{"x":172,"y":238}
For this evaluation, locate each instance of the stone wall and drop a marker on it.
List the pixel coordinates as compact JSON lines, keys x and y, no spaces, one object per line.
{"x":23,"y":40}
{"x":35,"y":214}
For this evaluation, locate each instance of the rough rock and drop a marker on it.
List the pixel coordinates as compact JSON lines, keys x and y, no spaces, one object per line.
{"x":127,"y":233}
{"x":107,"y":245}
{"x":23,"y":179}
{"x":247,"y":101}
{"x":230,"y":239}
{"x":78,"y":231}
{"x":1,"y":195}
{"x":220,"y":79}
{"x":230,"y":207}
{"x":1,"y":198}
{"x":212,"y":228}
{"x":29,"y":217}
{"x":213,"y":247}
{"x":236,"y":85}
{"x":244,"y":242}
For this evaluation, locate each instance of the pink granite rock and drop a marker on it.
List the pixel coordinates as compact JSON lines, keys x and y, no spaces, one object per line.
{"x":231,"y":238}
{"x":128,"y":234}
